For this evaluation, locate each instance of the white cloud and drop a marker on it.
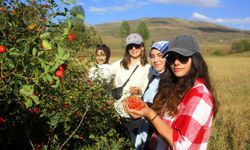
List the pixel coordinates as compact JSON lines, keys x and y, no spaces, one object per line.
{"x":204,"y":3}
{"x":102,"y":10}
{"x":131,"y":4}
{"x":126,"y":5}
{"x":98,"y":10}
{"x":200,"y":17}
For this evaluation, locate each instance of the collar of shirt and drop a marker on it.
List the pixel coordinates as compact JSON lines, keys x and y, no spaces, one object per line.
{"x":155,"y":73}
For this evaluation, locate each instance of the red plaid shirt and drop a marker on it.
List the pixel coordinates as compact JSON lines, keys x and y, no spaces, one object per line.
{"x":192,"y":125}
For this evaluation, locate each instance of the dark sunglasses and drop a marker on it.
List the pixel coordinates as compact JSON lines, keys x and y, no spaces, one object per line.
{"x":130,"y":46}
{"x":100,"y":45}
{"x":172,"y":57}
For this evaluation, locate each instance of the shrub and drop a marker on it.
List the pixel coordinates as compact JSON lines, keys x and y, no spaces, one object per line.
{"x":217,"y":53}
{"x":46,"y":100}
{"x":240,"y":46}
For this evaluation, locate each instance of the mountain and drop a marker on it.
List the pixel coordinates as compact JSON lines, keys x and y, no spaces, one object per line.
{"x":212,"y":37}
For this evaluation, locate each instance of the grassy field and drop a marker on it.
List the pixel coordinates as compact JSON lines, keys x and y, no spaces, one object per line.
{"x":231,"y":77}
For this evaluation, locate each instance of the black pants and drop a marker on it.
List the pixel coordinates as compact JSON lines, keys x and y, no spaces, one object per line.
{"x":132,"y":127}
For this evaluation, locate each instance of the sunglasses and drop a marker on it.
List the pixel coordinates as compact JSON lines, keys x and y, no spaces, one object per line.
{"x":99,"y":45}
{"x":172,"y":57}
{"x":130,"y":46}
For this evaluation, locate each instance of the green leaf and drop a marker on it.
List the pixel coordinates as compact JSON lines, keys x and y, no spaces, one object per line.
{"x":10,"y":65}
{"x":56,"y":137}
{"x":35,"y":99}
{"x":21,"y":40}
{"x":91,"y":136}
{"x":77,"y":136}
{"x":56,"y":65}
{"x":49,"y":77}
{"x":65,"y":2}
{"x":69,"y":24}
{"x":46,"y":45}
{"x":66,"y":31}
{"x":57,"y":82}
{"x":65,"y":57}
{"x":61,"y":51}
{"x":44,"y":78}
{"x":34,"y":52}
{"x":79,"y":16}
{"x":26,"y":90}
{"x":15,"y":54}
{"x":44,"y":66}
{"x":72,"y":1}
{"x":59,"y":39}
{"x":28,"y":103}
{"x":68,"y":1}
{"x":45,"y":35}
{"x":55,"y":119}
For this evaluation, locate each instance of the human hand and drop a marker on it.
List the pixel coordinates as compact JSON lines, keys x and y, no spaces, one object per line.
{"x":135,"y":107}
{"x":133,"y":113}
{"x":135,"y":90}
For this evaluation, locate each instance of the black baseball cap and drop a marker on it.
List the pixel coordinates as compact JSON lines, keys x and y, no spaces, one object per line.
{"x":184,"y":45}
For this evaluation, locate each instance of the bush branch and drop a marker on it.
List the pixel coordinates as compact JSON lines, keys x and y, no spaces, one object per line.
{"x":73,"y":133}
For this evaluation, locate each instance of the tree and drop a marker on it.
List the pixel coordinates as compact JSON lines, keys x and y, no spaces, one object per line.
{"x":240,"y":46}
{"x":124,"y":32}
{"x":124,"y":29}
{"x":143,"y":30}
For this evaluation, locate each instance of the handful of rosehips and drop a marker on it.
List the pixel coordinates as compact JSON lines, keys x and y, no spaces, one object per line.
{"x":134,"y":102}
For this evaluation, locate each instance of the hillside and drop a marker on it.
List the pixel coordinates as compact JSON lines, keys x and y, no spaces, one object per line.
{"x":211,"y":36}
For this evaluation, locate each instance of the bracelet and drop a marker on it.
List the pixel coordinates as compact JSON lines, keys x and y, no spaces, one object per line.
{"x":154,"y":117}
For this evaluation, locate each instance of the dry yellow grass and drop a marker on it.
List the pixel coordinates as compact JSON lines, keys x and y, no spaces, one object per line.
{"x":231,"y":77}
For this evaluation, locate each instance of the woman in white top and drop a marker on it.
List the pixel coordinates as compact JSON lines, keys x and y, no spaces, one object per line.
{"x":135,"y":54}
{"x":102,"y":70}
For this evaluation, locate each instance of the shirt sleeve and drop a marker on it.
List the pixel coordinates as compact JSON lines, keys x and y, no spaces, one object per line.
{"x":115,"y":66}
{"x":91,"y":72}
{"x":192,"y":126}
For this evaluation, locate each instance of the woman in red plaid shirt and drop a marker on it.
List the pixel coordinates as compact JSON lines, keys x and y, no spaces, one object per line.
{"x":185,"y":104}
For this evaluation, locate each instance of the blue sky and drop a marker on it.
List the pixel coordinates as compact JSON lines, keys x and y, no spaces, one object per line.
{"x":231,"y":13}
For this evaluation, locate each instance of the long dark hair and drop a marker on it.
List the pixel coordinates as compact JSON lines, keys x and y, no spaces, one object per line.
{"x":126,"y":58}
{"x":172,"y":89}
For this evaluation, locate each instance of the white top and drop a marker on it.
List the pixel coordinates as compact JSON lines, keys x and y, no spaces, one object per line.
{"x":138,"y":79}
{"x":100,"y":72}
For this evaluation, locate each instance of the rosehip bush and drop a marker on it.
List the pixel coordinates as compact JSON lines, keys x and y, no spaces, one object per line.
{"x":41,"y":109}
